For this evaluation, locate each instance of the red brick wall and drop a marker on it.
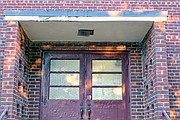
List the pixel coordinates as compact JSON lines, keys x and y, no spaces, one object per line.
{"x":165,"y":54}
{"x":34,"y":82}
{"x":173,"y":56}
{"x":155,"y":72}
{"x":15,"y":72}
{"x":10,"y":68}
{"x":23,"y":73}
{"x":2,"y":41}
{"x":148,"y":76}
{"x":136,"y":81}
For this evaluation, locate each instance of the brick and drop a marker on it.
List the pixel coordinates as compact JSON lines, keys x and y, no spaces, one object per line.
{"x":165,"y":44}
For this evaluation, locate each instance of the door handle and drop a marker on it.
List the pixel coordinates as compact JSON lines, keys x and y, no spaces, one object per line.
{"x":89,"y":111}
{"x":81,"y":111}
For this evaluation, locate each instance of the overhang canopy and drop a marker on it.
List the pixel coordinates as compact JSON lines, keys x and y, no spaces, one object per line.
{"x":103,"y":31}
{"x":63,"y":25}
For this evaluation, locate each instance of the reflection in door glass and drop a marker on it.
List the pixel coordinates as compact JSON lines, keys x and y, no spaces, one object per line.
{"x":107,"y":93}
{"x":106,"y":79}
{"x":64,"y":79}
{"x":64,"y":93}
{"x":106,"y":66}
{"x":65,"y":65}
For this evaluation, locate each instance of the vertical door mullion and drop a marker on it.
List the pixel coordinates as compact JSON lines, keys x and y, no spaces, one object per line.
{"x":89,"y":78}
{"x":82,"y":78}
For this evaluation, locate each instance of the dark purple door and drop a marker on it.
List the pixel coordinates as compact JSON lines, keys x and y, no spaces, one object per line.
{"x":107,"y":75}
{"x":84,"y":87}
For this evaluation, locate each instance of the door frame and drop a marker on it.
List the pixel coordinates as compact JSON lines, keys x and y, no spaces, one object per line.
{"x":124,"y":53}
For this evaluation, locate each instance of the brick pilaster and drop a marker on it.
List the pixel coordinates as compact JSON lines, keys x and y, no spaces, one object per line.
{"x":159,"y":63}
{"x":9,"y":69}
{"x":2,"y":42}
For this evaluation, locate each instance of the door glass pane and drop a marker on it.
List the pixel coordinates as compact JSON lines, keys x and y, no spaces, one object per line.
{"x":64,"y":93}
{"x":65,"y":65}
{"x":106,"y":79}
{"x":106,"y":66}
{"x":64,"y":79}
{"x":107,"y":93}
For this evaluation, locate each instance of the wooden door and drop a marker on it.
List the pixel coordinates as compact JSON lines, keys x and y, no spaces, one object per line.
{"x":84,"y":87}
{"x":106,"y":78}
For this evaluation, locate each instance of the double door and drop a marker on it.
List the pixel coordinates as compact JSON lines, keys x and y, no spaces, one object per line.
{"x":84,"y":86}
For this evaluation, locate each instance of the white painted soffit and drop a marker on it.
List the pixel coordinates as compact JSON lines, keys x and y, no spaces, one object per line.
{"x":103,"y":31}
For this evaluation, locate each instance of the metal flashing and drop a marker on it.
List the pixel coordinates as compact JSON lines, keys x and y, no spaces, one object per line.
{"x":84,"y":13}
